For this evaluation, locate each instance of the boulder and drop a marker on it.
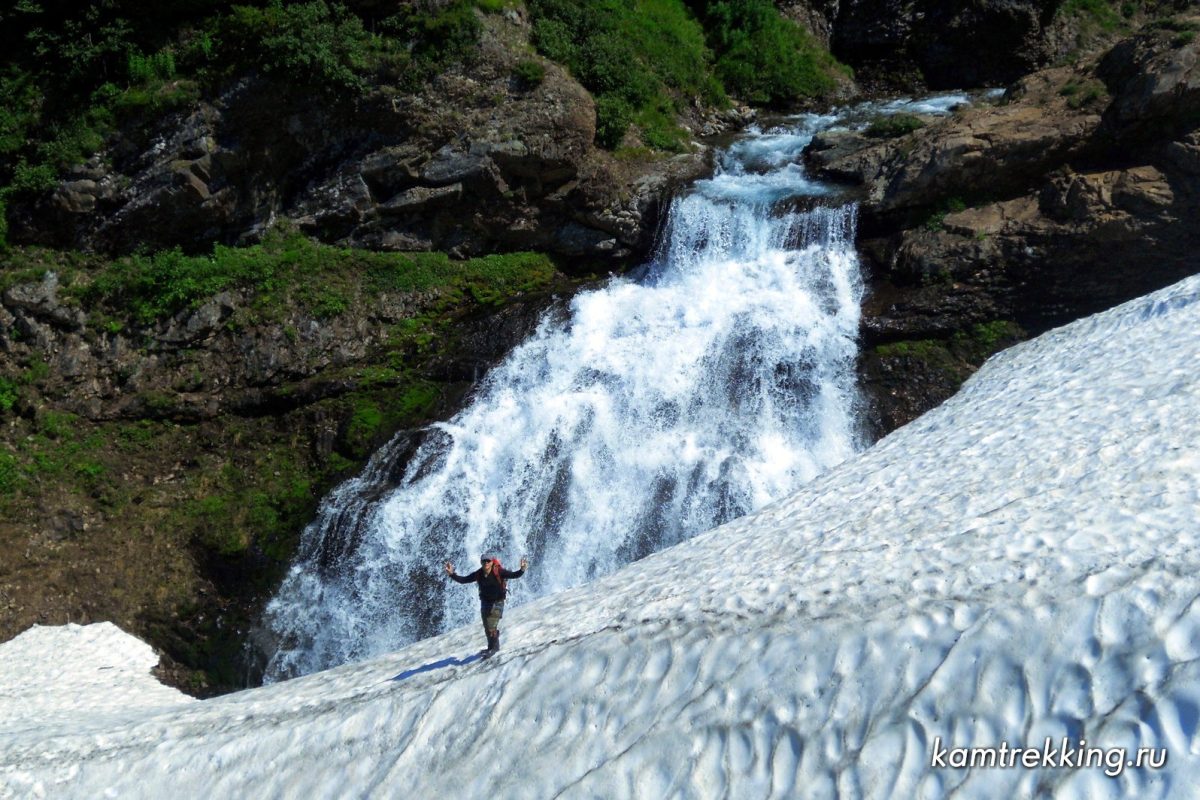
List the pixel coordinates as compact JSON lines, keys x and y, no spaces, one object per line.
{"x":1155,"y":83}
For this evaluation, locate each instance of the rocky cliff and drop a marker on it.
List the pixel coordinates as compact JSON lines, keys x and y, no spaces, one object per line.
{"x":1078,"y":190}
{"x":478,"y":160}
{"x":909,"y":44}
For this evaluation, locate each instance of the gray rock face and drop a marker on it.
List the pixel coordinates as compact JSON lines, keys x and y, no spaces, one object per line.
{"x":31,"y":303}
{"x":1155,"y":83}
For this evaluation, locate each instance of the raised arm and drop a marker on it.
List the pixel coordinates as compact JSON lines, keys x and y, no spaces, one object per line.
{"x":461,"y":578}
{"x":507,"y":573}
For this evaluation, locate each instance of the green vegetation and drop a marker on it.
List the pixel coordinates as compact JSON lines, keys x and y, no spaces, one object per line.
{"x":312,"y":44}
{"x":1102,"y":13}
{"x":1083,"y":94}
{"x":641,"y":60}
{"x":1185,"y":29}
{"x":1177,"y":24}
{"x":8,"y":394}
{"x":961,"y":354}
{"x":10,"y":474}
{"x":646,"y":60}
{"x":892,"y":126}
{"x":763,"y":57}
{"x":255,"y":505}
{"x":529,"y":72}
{"x":75,"y":73}
{"x":58,"y":454}
{"x":951,"y":205}
{"x":376,"y":412}
{"x":289,"y":271}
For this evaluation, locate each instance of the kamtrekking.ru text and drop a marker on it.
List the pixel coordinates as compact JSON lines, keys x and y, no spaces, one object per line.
{"x":1113,"y":760}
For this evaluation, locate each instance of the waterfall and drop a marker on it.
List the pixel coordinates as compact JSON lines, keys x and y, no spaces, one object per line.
{"x":714,"y":380}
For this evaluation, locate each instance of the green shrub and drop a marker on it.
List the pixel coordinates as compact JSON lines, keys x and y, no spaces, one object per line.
{"x":613,"y":116}
{"x":10,"y":473}
{"x":8,"y":394}
{"x":764,"y":57}
{"x":289,"y":271}
{"x":893,"y":126}
{"x":20,"y":99}
{"x":423,"y":43}
{"x":311,"y":43}
{"x":57,"y":424}
{"x":159,"y":66}
{"x":658,"y":129}
{"x":636,"y":58}
{"x":529,"y":72}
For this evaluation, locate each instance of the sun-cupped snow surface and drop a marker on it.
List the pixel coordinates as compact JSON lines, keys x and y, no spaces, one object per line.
{"x":1019,"y":565}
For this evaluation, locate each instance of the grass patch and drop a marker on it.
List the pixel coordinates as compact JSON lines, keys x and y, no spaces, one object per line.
{"x":252,"y":506}
{"x":288,"y":272}
{"x":375,"y":414}
{"x":1081,"y":94}
{"x":1103,"y":14}
{"x":962,"y":352}
{"x":60,"y":454}
{"x":937,"y":220}
{"x":892,"y":126}
{"x":8,"y":394}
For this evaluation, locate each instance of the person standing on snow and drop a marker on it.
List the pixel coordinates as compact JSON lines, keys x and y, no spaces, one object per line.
{"x":491,"y":577}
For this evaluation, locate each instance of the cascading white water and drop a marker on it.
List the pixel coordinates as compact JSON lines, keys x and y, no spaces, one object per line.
{"x":657,"y":407}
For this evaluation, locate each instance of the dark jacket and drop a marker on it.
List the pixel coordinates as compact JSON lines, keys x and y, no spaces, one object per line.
{"x":490,"y":587}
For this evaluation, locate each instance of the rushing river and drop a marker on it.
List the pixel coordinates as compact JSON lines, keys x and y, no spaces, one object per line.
{"x":717,"y":378}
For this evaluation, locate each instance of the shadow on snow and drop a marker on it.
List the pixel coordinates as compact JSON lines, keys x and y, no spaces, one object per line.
{"x":430,"y":667}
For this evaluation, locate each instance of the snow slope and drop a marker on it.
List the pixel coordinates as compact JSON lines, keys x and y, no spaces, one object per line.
{"x":1022,"y":562}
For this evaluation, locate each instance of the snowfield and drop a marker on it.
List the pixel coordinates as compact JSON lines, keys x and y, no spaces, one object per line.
{"x":1021,"y":563}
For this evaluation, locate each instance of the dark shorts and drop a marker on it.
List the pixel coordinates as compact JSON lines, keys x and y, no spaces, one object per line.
{"x":491,"y":611}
